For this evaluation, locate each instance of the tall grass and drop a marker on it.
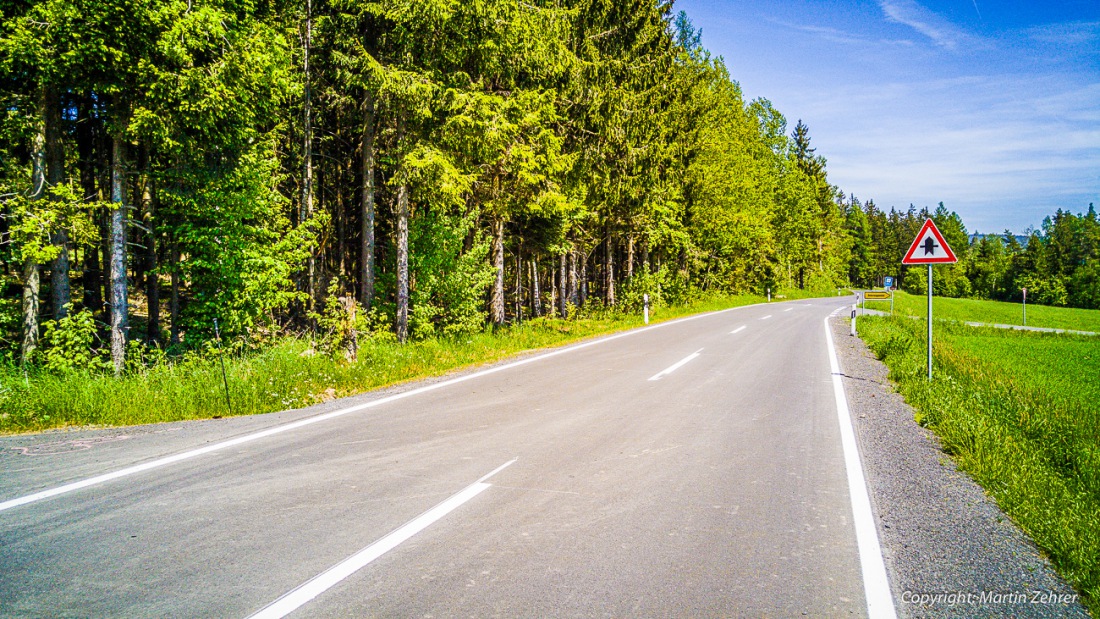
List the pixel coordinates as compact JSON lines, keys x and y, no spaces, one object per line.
{"x":286,"y":375}
{"x":992,"y":312}
{"x":1020,"y":412}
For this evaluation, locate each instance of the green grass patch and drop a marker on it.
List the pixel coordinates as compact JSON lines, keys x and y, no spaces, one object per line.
{"x":1020,"y":412}
{"x":286,"y":375}
{"x":992,"y":312}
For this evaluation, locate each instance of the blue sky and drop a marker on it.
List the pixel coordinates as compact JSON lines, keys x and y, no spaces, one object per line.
{"x":990,"y":107}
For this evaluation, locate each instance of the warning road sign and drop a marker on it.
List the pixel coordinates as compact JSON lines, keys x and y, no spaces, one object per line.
{"x":929,"y":247}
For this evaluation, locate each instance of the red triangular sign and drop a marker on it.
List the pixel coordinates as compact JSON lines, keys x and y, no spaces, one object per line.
{"x":929,"y":247}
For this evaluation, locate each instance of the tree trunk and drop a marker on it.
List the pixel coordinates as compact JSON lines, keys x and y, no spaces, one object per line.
{"x":60,"y":287}
{"x":582,"y":293}
{"x":519,"y":284}
{"x":609,"y":273}
{"x":174,"y":304}
{"x":152,"y":283}
{"x":306,"y":208}
{"x":119,"y":306}
{"x":30,"y":308}
{"x":31,"y":268}
{"x":93,"y":273}
{"x":366,"y":280}
{"x":536,"y":302}
{"x":573,"y":292}
{"x":630,"y":256}
{"x":496,"y":301}
{"x":563,"y":294}
{"x":402,"y":327}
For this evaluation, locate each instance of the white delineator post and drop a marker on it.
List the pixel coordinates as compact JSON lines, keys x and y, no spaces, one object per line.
{"x":645,"y":299}
{"x":1025,"y":307}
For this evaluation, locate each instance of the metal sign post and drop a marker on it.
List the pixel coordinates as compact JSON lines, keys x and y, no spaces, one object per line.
{"x":930,"y":322}
{"x":929,"y":248}
{"x":1025,"y":307}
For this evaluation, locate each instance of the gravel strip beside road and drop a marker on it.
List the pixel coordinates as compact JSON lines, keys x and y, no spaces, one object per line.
{"x":950,"y":551}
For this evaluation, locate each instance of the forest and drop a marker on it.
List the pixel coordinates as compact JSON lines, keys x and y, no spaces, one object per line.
{"x":179,"y":172}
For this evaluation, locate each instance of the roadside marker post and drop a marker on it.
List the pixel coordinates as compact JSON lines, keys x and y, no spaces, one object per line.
{"x":645,"y":299}
{"x":929,"y":248}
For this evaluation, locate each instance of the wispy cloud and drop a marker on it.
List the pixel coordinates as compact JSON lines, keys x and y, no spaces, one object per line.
{"x":999,"y":162}
{"x":939,"y":30}
{"x":1072,"y":34}
{"x":835,"y":35}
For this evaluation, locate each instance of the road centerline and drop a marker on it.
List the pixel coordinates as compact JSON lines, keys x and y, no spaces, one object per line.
{"x":675,"y":366}
{"x":324,"y":581}
{"x":738,"y":329}
{"x":766,"y":317}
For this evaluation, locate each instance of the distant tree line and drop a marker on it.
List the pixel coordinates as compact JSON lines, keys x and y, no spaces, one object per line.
{"x":388,"y":168}
{"x":1058,"y":265}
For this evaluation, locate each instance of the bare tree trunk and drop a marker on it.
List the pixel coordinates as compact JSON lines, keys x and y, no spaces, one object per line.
{"x":553,"y":291}
{"x":341,"y":224}
{"x":60,"y":288}
{"x":152,"y":283}
{"x":496,"y":300}
{"x":93,"y":274}
{"x":563,"y":295}
{"x":306,"y":209}
{"x":573,"y":296}
{"x":630,"y":256}
{"x":119,"y":307}
{"x":402,"y":326}
{"x":536,"y":302}
{"x":582,"y":294}
{"x":31,"y":268}
{"x":366,"y":279}
{"x":609,"y":272}
{"x":519,"y":283}
{"x":174,"y":304}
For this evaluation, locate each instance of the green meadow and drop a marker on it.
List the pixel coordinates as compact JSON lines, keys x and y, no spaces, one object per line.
{"x":992,"y":312}
{"x":1019,"y":411}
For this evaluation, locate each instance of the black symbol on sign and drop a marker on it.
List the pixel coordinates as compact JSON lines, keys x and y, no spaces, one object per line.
{"x":929,"y":246}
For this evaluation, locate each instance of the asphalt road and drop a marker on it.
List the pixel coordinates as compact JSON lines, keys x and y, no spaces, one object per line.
{"x":695,"y":469}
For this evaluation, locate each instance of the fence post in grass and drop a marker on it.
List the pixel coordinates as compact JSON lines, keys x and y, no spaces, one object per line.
{"x":1025,"y":307}
{"x":221,"y":357}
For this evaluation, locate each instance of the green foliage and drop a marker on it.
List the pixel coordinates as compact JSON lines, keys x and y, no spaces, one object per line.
{"x":69,"y":345}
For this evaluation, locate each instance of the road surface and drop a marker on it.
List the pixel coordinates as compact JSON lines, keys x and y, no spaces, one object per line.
{"x":692,"y":469}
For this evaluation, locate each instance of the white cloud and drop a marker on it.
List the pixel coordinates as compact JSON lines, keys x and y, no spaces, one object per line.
{"x":939,"y":30}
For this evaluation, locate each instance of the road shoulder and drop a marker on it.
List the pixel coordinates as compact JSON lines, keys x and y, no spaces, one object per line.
{"x":949,"y":550}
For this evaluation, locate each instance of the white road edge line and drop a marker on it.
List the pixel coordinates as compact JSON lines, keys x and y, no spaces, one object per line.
{"x":248,"y":438}
{"x":675,"y":366}
{"x":876,"y":585}
{"x":331,"y":577}
{"x":738,"y":329}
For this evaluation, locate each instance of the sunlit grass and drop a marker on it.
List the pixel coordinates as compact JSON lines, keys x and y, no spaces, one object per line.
{"x":1020,"y":412}
{"x":992,"y":312}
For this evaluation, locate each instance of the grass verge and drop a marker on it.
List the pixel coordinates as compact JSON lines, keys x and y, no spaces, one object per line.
{"x":286,"y":375}
{"x":1019,"y":412}
{"x":992,"y":312}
